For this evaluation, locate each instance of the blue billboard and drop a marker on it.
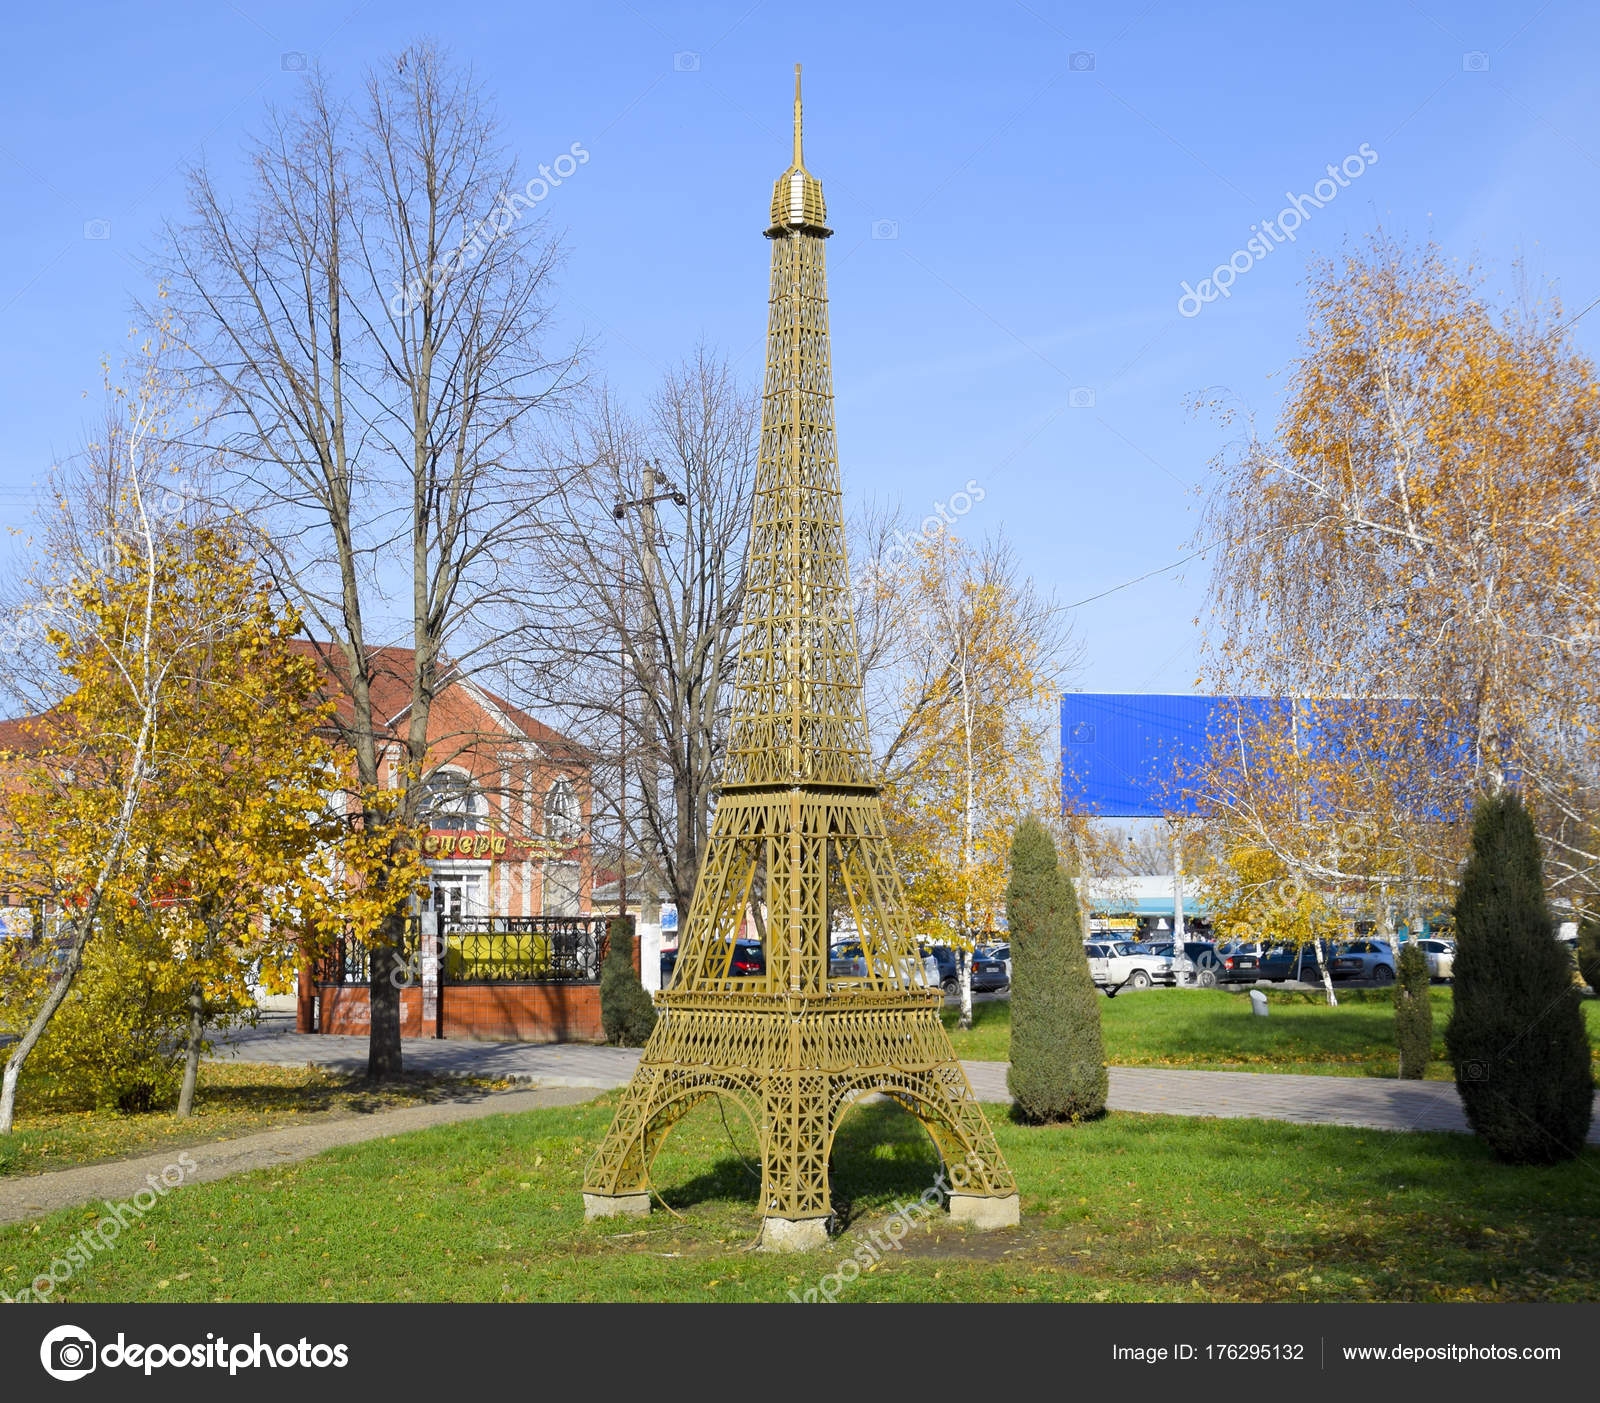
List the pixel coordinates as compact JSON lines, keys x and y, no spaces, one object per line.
{"x":1129,"y":755}
{"x":1123,"y":755}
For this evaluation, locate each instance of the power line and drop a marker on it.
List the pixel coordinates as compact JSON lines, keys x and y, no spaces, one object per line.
{"x":1160,"y":570}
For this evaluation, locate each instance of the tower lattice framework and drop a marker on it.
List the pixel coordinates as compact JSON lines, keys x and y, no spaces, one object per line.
{"x":799,"y":818}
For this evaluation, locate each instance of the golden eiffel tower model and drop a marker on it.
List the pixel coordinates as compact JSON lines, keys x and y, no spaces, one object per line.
{"x":799,"y":822}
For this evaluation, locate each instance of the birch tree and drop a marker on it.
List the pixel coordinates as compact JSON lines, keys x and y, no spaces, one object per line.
{"x":971,"y":750}
{"x":116,"y":662}
{"x":1423,"y":528}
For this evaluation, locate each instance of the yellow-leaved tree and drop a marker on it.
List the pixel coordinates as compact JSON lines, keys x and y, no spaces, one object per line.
{"x":219,"y":802}
{"x":1417,"y":542}
{"x":971,"y":691}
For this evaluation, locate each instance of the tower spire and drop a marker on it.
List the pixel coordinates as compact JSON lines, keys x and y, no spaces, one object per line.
{"x":798,"y":159}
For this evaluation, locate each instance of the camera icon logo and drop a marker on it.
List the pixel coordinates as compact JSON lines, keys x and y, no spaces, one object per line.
{"x":686,"y":62}
{"x":1475,"y":1071}
{"x":67,"y":1353}
{"x":1474,"y":61}
{"x":1080,"y":397}
{"x":293,"y":62}
{"x":886,"y":228}
{"x":97,"y":229}
{"x":1081,"y":62}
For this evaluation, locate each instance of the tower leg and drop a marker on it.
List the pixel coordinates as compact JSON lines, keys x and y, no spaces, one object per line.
{"x":795,"y":1201}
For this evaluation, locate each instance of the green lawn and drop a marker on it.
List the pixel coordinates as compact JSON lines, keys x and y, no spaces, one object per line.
{"x":232,"y":1099}
{"x":1129,"y":1208}
{"x":1215,"y":1029}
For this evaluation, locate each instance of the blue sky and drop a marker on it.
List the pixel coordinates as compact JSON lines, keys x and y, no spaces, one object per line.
{"x":1018,"y":191}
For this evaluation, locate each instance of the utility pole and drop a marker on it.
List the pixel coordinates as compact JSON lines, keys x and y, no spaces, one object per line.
{"x":647,"y":506}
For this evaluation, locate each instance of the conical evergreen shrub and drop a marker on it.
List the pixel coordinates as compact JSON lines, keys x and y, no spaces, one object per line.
{"x":1589,"y":951}
{"x":1058,"y":1069}
{"x":1516,"y":1033}
{"x":626,"y":1011}
{"x":1413,"y":1012}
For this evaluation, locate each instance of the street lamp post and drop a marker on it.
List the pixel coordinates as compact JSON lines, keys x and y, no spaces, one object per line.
{"x":646,"y":502}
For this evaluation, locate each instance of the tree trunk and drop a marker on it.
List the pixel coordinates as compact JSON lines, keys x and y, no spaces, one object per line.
{"x":191,"y":1061}
{"x":41,"y":1021}
{"x":1327,"y":974}
{"x":965,"y":1021}
{"x":386,"y":958}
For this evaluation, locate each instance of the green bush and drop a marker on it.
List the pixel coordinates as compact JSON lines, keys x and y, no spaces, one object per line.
{"x":1589,"y":951}
{"x":1516,"y":1033}
{"x":1413,"y":1012}
{"x":626,"y":1011}
{"x":1058,"y":1068}
{"x":117,"y":1041}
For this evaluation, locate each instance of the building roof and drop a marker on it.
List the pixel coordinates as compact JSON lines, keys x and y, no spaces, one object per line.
{"x":25,"y":735}
{"x":391,"y":672}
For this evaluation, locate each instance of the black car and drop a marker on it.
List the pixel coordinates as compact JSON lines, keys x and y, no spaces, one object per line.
{"x":949,"y":967}
{"x":988,"y":972}
{"x":1283,"y":962}
{"x":1241,"y":961}
{"x":748,"y":959}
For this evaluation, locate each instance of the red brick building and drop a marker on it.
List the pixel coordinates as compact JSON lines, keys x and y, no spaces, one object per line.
{"x":509,"y":802}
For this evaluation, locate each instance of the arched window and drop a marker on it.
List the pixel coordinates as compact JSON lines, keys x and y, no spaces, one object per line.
{"x":563,"y":816}
{"x":451,"y":801}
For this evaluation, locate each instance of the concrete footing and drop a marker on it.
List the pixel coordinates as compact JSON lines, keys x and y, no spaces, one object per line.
{"x":984,"y":1212}
{"x":615,"y":1206}
{"x":793,"y":1234}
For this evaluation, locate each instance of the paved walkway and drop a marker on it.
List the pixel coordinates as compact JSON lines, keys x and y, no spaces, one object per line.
{"x":1374,"y":1102}
{"x":119,"y":1180}
{"x":565,"y":1074}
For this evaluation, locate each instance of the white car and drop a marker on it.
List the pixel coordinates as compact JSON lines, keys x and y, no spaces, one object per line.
{"x":1120,"y":964}
{"x":1441,"y":958}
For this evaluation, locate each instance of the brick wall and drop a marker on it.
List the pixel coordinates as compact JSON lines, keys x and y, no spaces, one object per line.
{"x":344,"y":1009}
{"x":536,"y":1013}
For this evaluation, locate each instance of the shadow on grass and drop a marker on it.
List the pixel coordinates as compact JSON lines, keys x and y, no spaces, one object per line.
{"x":881,"y":1155}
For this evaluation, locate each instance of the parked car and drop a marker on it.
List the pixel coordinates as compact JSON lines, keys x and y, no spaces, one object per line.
{"x":989,"y":972}
{"x":1283,"y":962}
{"x":1205,"y":963}
{"x":1441,"y":956}
{"x":949,"y":967}
{"x":1121,"y":964}
{"x":1003,"y":954}
{"x":669,"y":962}
{"x":849,"y":961}
{"x":1241,"y":961}
{"x":1364,"y":959}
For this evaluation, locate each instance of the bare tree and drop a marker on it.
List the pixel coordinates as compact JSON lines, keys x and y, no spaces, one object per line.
{"x":660,"y":587}
{"x":371,"y":320}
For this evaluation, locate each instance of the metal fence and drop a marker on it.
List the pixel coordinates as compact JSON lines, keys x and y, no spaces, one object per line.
{"x":523,"y":949}
{"x":488,"y":950}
